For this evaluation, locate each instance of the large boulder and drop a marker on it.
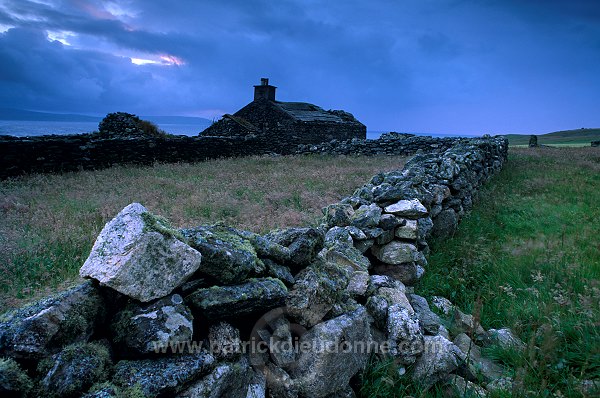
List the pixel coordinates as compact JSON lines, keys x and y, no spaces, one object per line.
{"x":226,"y":256}
{"x":75,"y":369}
{"x":40,"y":329}
{"x":140,"y":255}
{"x":165,"y":376}
{"x":253,"y":296}
{"x":338,"y":350}
{"x":146,"y":329}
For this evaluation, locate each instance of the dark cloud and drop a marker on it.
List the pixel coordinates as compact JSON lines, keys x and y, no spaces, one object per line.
{"x":423,"y":65}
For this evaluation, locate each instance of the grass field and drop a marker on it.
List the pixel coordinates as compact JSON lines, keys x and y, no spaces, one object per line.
{"x":48,"y":223}
{"x":570,"y":138}
{"x":528,"y":257}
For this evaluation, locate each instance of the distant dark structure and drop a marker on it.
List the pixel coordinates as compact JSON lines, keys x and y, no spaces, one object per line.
{"x":286,"y":123}
{"x":596,"y":143}
{"x":533,"y":141}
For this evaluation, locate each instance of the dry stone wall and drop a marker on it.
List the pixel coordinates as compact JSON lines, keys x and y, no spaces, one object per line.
{"x":213,"y":311}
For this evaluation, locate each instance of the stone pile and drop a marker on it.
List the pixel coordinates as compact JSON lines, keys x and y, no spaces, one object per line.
{"x":128,"y":126}
{"x":214,"y":311}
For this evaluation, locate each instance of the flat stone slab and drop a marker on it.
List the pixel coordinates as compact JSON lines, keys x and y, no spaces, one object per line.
{"x":140,"y":256}
{"x":407,"y":208}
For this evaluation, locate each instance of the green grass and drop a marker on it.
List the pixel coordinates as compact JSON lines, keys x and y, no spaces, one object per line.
{"x":572,"y":138}
{"x":528,"y":257}
{"x":48,"y":223}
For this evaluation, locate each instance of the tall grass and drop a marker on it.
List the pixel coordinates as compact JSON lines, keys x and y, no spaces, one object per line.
{"x":48,"y":223}
{"x":531,"y":250}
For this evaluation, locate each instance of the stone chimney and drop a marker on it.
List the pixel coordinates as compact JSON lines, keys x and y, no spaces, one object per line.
{"x":264,"y":90}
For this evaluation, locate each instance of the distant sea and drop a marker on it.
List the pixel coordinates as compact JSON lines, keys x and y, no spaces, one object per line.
{"x":23,"y":128}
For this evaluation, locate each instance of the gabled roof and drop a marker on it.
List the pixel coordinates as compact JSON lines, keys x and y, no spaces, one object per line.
{"x":306,"y":112}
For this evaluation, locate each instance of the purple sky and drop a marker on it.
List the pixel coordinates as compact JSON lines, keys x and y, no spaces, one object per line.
{"x":429,"y":66}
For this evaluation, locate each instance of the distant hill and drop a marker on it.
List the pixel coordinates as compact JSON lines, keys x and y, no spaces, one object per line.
{"x":565,"y":137}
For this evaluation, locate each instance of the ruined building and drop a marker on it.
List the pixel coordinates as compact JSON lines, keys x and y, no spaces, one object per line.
{"x":290,"y":123}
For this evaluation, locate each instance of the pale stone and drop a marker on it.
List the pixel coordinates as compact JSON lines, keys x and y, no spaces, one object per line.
{"x":395,"y":253}
{"x":408,"y":230}
{"x":407,"y":208}
{"x":139,"y":262}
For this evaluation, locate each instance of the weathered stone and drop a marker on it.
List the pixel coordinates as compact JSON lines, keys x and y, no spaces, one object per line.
{"x":164,"y":376}
{"x":366,"y":216}
{"x":378,"y":306}
{"x":336,"y":355}
{"x":264,"y":247}
{"x":378,"y":281}
{"x":279,"y":271}
{"x":40,"y":329}
{"x":396,"y":296}
{"x":140,"y":255}
{"x":408,"y":231}
{"x":506,"y":339}
{"x":346,"y":392}
{"x":226,"y":380}
{"x":358,"y":283}
{"x":144,"y":329}
{"x":303,"y":244}
{"x":373,"y":233}
{"x":424,"y":227}
{"x":389,"y":222}
{"x":226,"y":256}
{"x":388,"y":193}
{"x":364,"y":245}
{"x":442,"y":304}
{"x":257,"y":387}
{"x":316,"y":290}
{"x":75,"y":369}
{"x":224,"y":341}
{"x":407,"y":273}
{"x":338,"y":214}
{"x":476,"y":367}
{"x":445,"y":224}
{"x":395,"y":252}
{"x":504,"y":386}
{"x":468,"y":324}
{"x":457,"y":386}
{"x":430,"y":321}
{"x":439,"y":358}
{"x":279,"y":383}
{"x":337,"y":235}
{"x":411,"y":209}
{"x":385,"y":238}
{"x":14,"y":382}
{"x":253,"y":296}
{"x":404,"y":330}
{"x":347,"y":256}
{"x":356,"y":233}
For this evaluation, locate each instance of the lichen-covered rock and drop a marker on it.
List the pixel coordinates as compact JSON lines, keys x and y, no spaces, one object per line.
{"x":140,"y":255}
{"x":366,"y":216}
{"x":76,"y":368}
{"x":253,"y":296}
{"x":326,"y":370}
{"x":407,"y":273}
{"x":359,"y":281}
{"x":226,"y":256}
{"x":226,"y":380}
{"x":408,"y":231}
{"x":14,"y":382}
{"x":145,"y":329}
{"x":424,"y":227}
{"x":279,"y":271}
{"x":429,"y":320}
{"x":377,"y":306}
{"x":468,"y":324}
{"x":444,"y":224}
{"x":279,"y":383}
{"x":303,"y":244}
{"x":41,"y":329}
{"x":439,"y":358}
{"x":224,"y":341}
{"x":316,"y":290}
{"x":476,"y":367}
{"x":457,"y":386}
{"x":395,"y":253}
{"x":404,"y":331}
{"x":338,"y":214}
{"x":506,"y":339}
{"x":337,"y":235}
{"x":411,"y":209}
{"x":165,"y":376}
{"x":347,"y":256}
{"x":442,"y":304}
{"x":389,"y":221}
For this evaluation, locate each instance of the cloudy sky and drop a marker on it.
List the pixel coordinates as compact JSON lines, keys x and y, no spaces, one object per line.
{"x":431,"y":66}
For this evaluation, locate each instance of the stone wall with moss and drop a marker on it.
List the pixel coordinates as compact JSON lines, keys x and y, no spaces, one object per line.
{"x":291,"y":313}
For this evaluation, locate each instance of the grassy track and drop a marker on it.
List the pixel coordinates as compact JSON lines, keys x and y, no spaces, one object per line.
{"x":48,"y":223}
{"x":528,"y":257}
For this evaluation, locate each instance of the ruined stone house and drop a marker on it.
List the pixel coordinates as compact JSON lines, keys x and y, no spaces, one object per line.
{"x":290,"y":123}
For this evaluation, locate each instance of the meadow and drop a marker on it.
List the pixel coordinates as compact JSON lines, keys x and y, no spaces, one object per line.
{"x":527,"y":257}
{"x":48,"y":223}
